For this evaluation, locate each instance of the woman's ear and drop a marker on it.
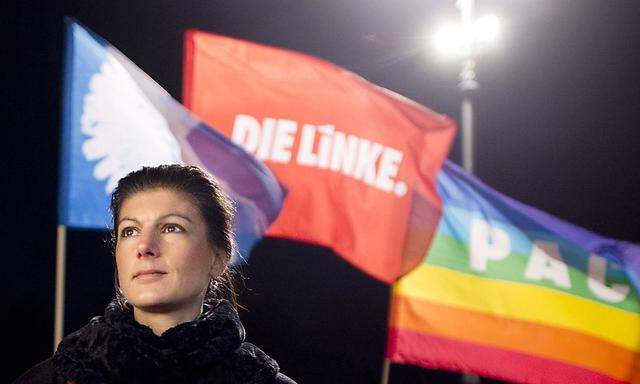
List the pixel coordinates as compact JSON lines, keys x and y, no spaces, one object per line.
{"x":218,"y":265}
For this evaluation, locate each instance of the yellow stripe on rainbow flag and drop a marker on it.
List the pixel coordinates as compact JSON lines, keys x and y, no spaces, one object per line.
{"x":521,"y":301}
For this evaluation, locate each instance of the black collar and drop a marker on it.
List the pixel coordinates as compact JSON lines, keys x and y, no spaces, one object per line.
{"x":115,"y":348}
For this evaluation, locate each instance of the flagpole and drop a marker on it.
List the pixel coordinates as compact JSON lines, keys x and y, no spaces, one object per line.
{"x":386,"y":365}
{"x":61,"y":255}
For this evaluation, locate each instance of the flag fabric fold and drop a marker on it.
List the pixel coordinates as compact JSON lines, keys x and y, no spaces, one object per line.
{"x":510,"y":292}
{"x":358,"y":161}
{"x":116,"y":119}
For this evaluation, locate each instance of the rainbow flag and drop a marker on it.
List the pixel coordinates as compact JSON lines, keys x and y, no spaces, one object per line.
{"x":509,"y":292}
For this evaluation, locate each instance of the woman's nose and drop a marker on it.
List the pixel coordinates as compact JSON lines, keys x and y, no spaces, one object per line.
{"x":148,"y":244}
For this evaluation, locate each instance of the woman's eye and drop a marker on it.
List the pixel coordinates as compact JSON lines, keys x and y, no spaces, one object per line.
{"x":128,"y":231}
{"x":172,"y":228}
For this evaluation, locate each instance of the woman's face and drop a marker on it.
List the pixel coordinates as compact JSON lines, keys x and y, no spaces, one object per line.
{"x":163,"y":256}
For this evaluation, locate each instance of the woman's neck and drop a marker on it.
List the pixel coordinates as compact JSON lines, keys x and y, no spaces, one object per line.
{"x":160,"y":321}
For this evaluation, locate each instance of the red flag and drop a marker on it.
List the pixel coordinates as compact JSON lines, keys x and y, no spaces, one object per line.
{"x":359,"y":161}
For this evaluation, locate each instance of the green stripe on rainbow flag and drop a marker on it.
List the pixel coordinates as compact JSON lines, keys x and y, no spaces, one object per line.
{"x":451,"y":253}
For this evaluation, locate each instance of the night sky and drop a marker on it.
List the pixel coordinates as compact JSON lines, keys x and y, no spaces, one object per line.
{"x":558,"y":127}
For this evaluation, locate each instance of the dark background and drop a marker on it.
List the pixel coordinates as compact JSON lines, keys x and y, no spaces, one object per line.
{"x":557,"y":128}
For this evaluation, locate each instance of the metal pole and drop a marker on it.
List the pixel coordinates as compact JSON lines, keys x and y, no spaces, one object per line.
{"x":466,"y":112}
{"x":467,"y":84}
{"x":58,"y":323}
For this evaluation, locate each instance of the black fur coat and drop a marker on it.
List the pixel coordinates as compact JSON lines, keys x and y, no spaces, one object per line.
{"x":114,"y":348}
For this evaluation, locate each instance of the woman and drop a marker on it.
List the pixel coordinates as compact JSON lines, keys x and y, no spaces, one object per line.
{"x":172,"y":238}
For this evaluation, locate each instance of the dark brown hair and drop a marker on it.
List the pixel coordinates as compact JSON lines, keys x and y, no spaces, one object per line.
{"x":214,"y":205}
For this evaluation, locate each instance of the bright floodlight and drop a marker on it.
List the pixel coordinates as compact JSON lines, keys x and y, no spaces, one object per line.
{"x":459,"y":41}
{"x":486,"y":29}
{"x":449,"y":40}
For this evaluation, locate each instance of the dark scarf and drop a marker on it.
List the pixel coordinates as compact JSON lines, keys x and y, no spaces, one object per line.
{"x":114,"y":348}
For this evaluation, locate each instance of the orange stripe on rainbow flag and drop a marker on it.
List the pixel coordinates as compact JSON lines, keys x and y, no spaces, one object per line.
{"x":550,"y":342}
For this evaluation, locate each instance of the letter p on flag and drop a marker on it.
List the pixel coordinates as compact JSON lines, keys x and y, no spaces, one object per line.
{"x":383,"y":228}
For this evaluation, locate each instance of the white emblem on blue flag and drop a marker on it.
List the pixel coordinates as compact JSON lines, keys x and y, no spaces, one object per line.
{"x":124,"y":130}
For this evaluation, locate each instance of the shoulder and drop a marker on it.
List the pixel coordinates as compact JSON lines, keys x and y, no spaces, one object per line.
{"x":254,"y":361}
{"x":45,"y":372}
{"x":283,"y":379}
{"x":42,"y":373}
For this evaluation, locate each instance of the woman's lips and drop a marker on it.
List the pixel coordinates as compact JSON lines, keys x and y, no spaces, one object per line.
{"x":148,"y":274}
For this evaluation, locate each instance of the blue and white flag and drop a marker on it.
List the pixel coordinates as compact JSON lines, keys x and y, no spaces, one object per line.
{"x":116,"y":119}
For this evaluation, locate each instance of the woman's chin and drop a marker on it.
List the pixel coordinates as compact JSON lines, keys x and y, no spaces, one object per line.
{"x":152,"y":303}
{"x":161,"y":301}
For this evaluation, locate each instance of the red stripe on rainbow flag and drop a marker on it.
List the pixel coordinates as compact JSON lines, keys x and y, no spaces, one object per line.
{"x":443,"y":353}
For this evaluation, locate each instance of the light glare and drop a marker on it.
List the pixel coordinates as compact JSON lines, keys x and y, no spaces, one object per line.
{"x":486,"y":29}
{"x":448,"y":40}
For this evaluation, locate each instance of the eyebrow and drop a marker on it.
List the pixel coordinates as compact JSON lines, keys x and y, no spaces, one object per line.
{"x":159,"y":218}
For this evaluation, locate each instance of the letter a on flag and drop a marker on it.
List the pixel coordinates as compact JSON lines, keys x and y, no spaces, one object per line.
{"x":116,"y":119}
{"x":358,"y":161}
